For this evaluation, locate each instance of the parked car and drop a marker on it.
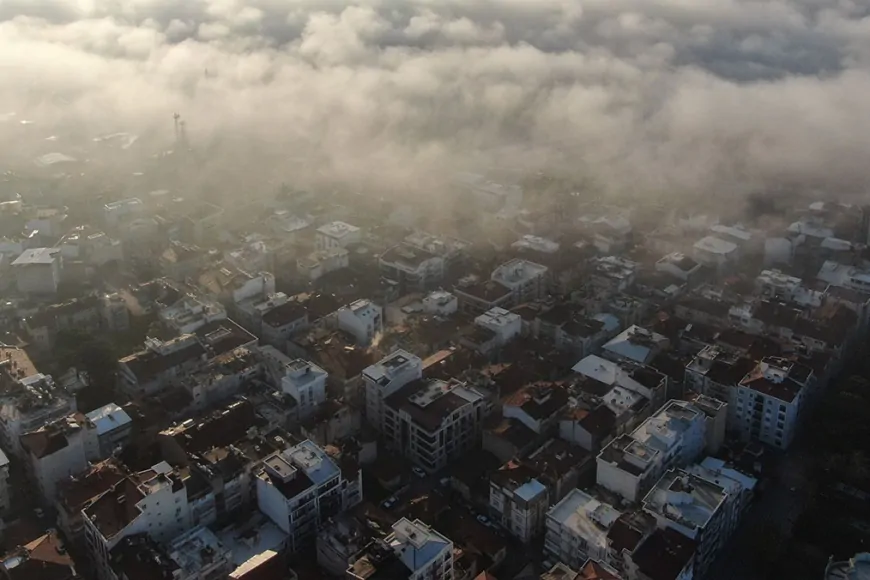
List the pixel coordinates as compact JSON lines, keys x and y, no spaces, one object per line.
{"x":418,"y":472}
{"x":483,"y":519}
{"x":388,"y":503}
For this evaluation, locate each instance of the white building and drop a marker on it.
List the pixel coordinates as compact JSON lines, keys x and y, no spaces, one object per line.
{"x":113,"y":428}
{"x":613,"y":273}
{"x":191,"y":313}
{"x":505,"y":324}
{"x":322,"y":262}
{"x":678,"y":265}
{"x":518,"y":502}
{"x":433,"y":422}
{"x":411,"y":268}
{"x":636,"y":344}
{"x":384,"y":378}
{"x":716,"y":252}
{"x":31,"y":401}
{"x":337,"y":235}
{"x":673,"y":437}
{"x":740,"y":487}
{"x":306,"y":383}
{"x":577,"y":529}
{"x":91,"y":247}
{"x":37,"y":271}
{"x":844,"y":276}
{"x":300,"y":488}
{"x":526,"y":280}
{"x":768,"y":403}
{"x":644,"y":381}
{"x":339,"y":543}
{"x":155,"y":501}
{"x":773,"y":284}
{"x":362,"y":319}
{"x":413,"y":551}
{"x":440,"y":303}
{"x":856,"y":568}
{"x":121,"y":210}
{"x":695,"y":507}
{"x":151,"y":369}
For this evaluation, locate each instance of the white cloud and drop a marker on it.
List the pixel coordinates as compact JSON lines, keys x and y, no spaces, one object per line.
{"x":686,"y":96}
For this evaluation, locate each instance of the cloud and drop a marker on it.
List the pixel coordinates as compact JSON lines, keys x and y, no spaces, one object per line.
{"x":700,"y":97}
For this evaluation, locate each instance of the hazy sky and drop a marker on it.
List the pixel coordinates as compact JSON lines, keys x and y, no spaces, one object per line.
{"x":683,"y":95}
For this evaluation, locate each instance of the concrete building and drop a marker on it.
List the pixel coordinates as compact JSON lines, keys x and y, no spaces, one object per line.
{"x":384,"y":378}
{"x":413,"y":550}
{"x":612,"y":273}
{"x":58,"y":451}
{"x":679,"y":266}
{"x":696,"y":508}
{"x":433,"y":422}
{"x":715,"y":252}
{"x":191,"y":313}
{"x":636,"y":344}
{"x":306,"y":383}
{"x":337,"y":235}
{"x":38,"y":271}
{"x":518,"y":502}
{"x":715,"y":372}
{"x":527,"y":281}
{"x":322,"y":262}
{"x":627,"y":376}
{"x":151,"y":369}
{"x":362,"y":319}
{"x":768,"y":403}
{"x":504,"y":324}
{"x":29,"y":399}
{"x":673,"y":437}
{"x":339,"y":543}
{"x":199,"y":555}
{"x":411,"y":269}
{"x":113,"y":428}
{"x":577,"y":528}
{"x":300,"y":488}
{"x":122,"y":210}
{"x":157,"y":502}
{"x":440,"y":303}
{"x":665,"y":554}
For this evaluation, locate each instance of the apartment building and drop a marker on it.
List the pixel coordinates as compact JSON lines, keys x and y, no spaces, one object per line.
{"x":306,"y":383}
{"x":362,"y":319}
{"x":5,"y":498}
{"x":673,"y":437}
{"x":715,"y":372}
{"x":28,"y":399}
{"x":518,"y":502}
{"x":767,"y":404}
{"x":38,"y":270}
{"x":412,"y":550}
{"x":577,"y":529}
{"x":300,"y":488}
{"x":384,"y":378}
{"x":696,"y":508}
{"x":412,"y":269}
{"x":337,"y":234}
{"x":432,"y":421}
{"x":159,"y":502}
{"x":526,"y":281}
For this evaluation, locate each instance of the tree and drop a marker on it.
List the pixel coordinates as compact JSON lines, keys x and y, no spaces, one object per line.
{"x":94,"y":355}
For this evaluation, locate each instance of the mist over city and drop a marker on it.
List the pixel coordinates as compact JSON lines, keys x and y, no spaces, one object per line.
{"x":703,"y":99}
{"x":434,"y":289}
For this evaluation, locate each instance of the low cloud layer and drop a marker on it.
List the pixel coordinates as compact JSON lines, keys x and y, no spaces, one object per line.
{"x":703,"y":97}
